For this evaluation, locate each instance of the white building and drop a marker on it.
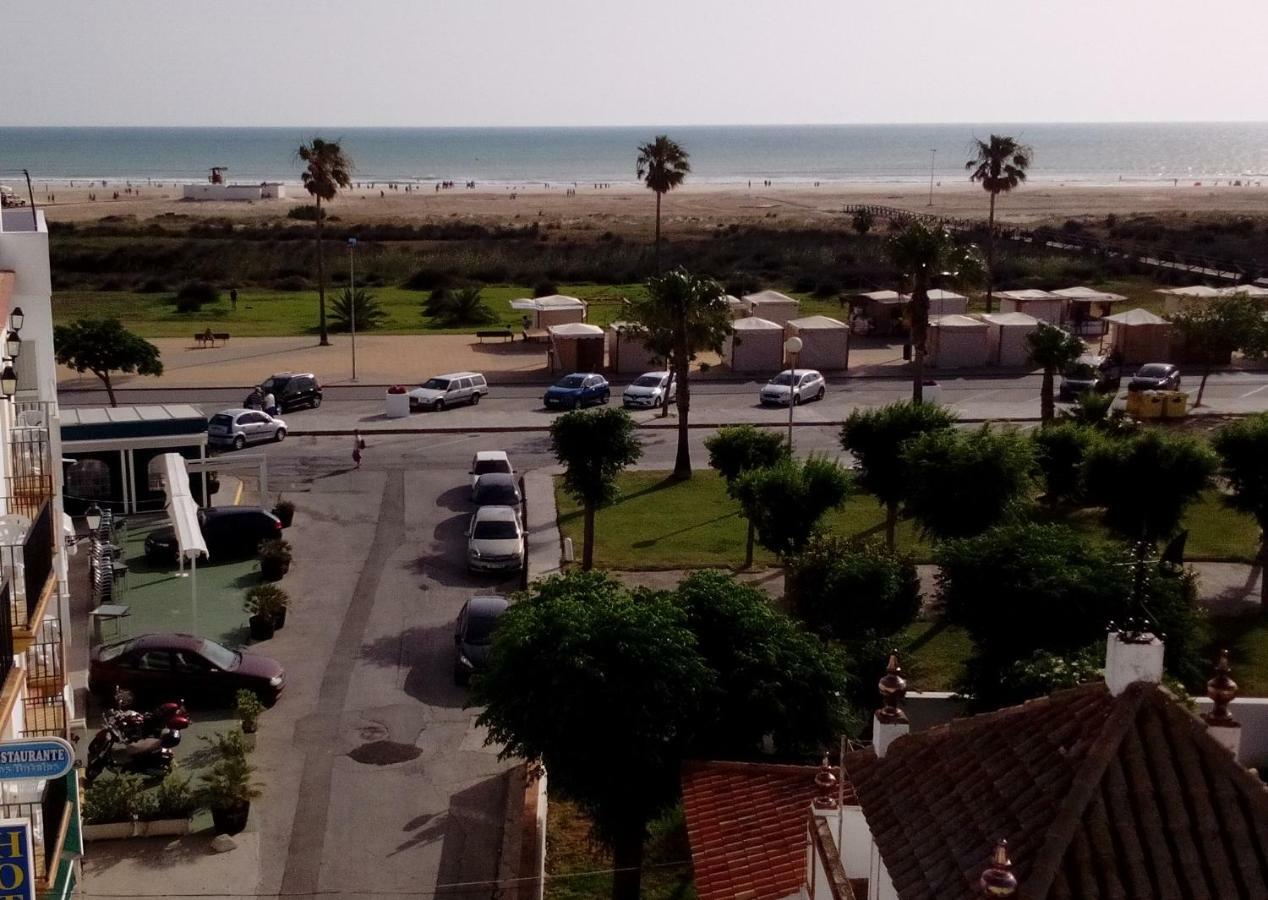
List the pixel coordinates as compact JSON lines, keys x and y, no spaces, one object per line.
{"x":205,"y":190}
{"x":36,"y":692}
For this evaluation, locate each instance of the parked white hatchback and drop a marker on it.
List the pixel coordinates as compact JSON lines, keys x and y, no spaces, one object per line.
{"x":647,"y":391}
{"x":238,"y":427}
{"x":489,"y":462}
{"x":495,"y":540}
{"x":798,"y":384}
{"x":449,"y":390}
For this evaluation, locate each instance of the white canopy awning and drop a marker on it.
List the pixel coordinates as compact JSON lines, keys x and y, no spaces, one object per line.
{"x":1089,"y":295}
{"x":181,"y":508}
{"x":1136,"y":317}
{"x":1197,"y":290}
{"x":554,"y":301}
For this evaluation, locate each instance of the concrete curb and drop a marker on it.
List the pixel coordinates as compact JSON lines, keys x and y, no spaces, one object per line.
{"x":545,"y":543}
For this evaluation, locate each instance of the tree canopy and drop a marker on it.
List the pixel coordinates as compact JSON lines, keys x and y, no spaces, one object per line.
{"x":737,"y":449}
{"x":103,"y":346}
{"x":594,"y":446}
{"x":1053,"y":350}
{"x":1243,"y":449}
{"x":999,"y":165}
{"x":847,"y":591}
{"x":786,"y":501}
{"x":662,"y":165}
{"x":1214,"y":329}
{"x":326,"y":169}
{"x":1060,"y":451}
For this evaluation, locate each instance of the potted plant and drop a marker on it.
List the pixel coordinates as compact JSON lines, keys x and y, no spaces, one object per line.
{"x":275,"y":559}
{"x":285,"y":512}
{"x":249,"y":709}
{"x":173,"y":803}
{"x":112,"y":806}
{"x":265,"y":603}
{"x":227,"y":788}
{"x":396,"y":402}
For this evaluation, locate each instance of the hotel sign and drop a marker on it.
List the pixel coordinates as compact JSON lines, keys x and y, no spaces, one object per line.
{"x":17,"y":869}
{"x":40,"y":758}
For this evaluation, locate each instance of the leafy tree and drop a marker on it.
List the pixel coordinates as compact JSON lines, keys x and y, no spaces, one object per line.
{"x":326,"y":169}
{"x":370,"y":313}
{"x":1146,"y":481}
{"x":786,"y":501}
{"x":102,"y":346}
{"x":1243,"y":449}
{"x":926,"y":255}
{"x":1053,"y":350}
{"x":464,"y":306}
{"x":1097,"y":410}
{"x":194,"y":295}
{"x":1213,"y":330}
{"x":737,"y":449}
{"x":604,"y":690}
{"x":999,"y":165}
{"x":848,"y":591}
{"x":594,"y":446}
{"x":1060,"y":450}
{"x":862,"y":221}
{"x":960,"y":483}
{"x":876,"y":438}
{"x":682,"y":315}
{"x":662,"y":165}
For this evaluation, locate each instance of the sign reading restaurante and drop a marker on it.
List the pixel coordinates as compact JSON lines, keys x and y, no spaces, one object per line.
{"x":41,"y":758}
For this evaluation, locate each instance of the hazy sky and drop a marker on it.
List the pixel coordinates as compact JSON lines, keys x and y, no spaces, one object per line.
{"x":597,"y":62}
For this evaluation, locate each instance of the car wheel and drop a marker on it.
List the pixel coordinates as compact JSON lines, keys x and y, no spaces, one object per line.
{"x":576,"y":404}
{"x":475,"y":398}
{"x":605,"y":398}
{"x":439,"y":406}
{"x":239,"y":442}
{"x":819,"y":396}
{"x":316,"y":402}
{"x":279,"y":435}
{"x":796,"y":400}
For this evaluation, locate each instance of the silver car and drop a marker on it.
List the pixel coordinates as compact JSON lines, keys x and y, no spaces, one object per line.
{"x":238,"y":427}
{"x":495,"y":540}
{"x":796,"y":385}
{"x":647,"y":391}
{"x":449,"y":390}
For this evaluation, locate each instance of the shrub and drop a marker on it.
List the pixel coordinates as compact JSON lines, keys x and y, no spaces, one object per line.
{"x":851,"y":591}
{"x":292,"y":283}
{"x":173,"y":798}
{"x":116,"y":798}
{"x":195,"y":295}
{"x":1059,"y":452}
{"x":370,"y":313}
{"x":545,"y":288}
{"x":153,"y":286}
{"x":306,"y":212}
{"x":249,"y":709}
{"x":266,"y":601}
{"x":428,"y":280}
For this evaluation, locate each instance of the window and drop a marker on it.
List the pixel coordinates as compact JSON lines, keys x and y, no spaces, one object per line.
{"x":191,"y":664}
{"x":89,"y":479}
{"x":155,"y":661}
{"x":465,"y":384}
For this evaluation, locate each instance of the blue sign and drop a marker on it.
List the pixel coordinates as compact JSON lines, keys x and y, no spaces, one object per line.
{"x":17,"y":874}
{"x":39,"y":758}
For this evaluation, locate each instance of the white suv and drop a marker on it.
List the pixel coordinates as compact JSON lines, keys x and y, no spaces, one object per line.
{"x":449,"y":390}
{"x":495,"y":540}
{"x":795,"y":385}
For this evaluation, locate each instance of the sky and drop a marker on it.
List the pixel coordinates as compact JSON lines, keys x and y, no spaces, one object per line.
{"x":596,"y":62}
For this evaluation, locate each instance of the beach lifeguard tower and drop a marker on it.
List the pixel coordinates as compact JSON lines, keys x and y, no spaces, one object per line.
{"x":217,"y":174}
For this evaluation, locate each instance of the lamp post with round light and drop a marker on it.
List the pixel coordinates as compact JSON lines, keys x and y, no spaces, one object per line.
{"x":792,"y":347}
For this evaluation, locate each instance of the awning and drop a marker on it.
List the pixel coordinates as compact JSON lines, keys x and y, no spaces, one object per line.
{"x":1136,"y":317}
{"x":181,"y":508}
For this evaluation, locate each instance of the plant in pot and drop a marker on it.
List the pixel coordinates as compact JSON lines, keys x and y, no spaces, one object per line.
{"x":173,"y":803}
{"x":265,"y":603}
{"x":227,"y":788}
{"x":285,"y":512}
{"x":113,"y":803}
{"x":249,"y":710}
{"x":275,"y":559}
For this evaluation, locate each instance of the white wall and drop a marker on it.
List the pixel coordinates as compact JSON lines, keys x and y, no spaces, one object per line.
{"x":208,"y":191}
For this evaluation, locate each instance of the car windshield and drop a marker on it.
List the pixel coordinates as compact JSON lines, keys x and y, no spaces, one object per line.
{"x":480,"y":630}
{"x":485,"y":466}
{"x":572,"y":381}
{"x":218,"y":656}
{"x":496,"y":494}
{"x":784,"y":379}
{"x":1081,"y":372}
{"x":495,"y":531}
{"x":436,"y":384}
{"x":1152,"y":372}
{"x":647,"y":381}
{"x":221,"y":419}
{"x":114,"y":651}
{"x":275,"y":385}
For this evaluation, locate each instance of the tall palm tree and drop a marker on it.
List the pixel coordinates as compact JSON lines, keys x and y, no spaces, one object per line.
{"x":1000,"y":165}
{"x":925,"y":256}
{"x":662,"y":165}
{"x":326,"y":169}
{"x":1054,"y":350}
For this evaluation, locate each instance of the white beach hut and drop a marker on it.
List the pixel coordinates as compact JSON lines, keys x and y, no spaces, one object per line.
{"x":884,"y":311}
{"x":626,"y":351}
{"x":1140,"y":336}
{"x":555,"y":309}
{"x":825,"y":342}
{"x":1043,"y":305}
{"x":1007,"y":337}
{"x":772,"y":306}
{"x":957,"y":342}
{"x":737,"y":307}
{"x":576,"y":347}
{"x":1180,"y":298}
{"x":1086,"y":309}
{"x":947,"y":303}
{"x":754,"y":345}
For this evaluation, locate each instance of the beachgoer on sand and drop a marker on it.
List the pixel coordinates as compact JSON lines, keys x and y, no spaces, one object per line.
{"x":358,"y":444}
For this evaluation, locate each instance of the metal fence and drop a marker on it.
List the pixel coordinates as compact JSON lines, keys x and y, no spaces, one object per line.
{"x":30,"y":482}
{"x":6,"y":631}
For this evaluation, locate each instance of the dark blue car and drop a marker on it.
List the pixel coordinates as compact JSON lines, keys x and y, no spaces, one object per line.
{"x":577,"y":390}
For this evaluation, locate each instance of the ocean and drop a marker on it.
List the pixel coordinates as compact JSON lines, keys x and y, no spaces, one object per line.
{"x":1087,"y":153}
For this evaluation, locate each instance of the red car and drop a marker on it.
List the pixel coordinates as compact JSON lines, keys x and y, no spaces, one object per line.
{"x":182,"y":665}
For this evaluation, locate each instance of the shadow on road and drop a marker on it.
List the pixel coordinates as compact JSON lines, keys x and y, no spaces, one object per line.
{"x":426,"y":653}
{"x":473,"y":839}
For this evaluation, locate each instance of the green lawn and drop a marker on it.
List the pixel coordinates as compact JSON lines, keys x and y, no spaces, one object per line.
{"x":1246,"y":640}
{"x":661,"y":524}
{"x":934,"y":654}
{"x":269,"y":313}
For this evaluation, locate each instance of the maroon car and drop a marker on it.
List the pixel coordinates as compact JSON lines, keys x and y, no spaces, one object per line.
{"x":182,"y":665}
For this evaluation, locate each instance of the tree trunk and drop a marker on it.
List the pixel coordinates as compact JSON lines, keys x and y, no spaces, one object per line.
{"x":656,"y":243}
{"x":891,"y":524}
{"x":990,"y":254}
{"x":587,"y":551}
{"x":627,"y":859}
{"x":664,"y":401}
{"x":748,"y":546}
{"x":1206,"y":373}
{"x":1047,"y":408}
{"x":682,"y":366}
{"x":105,"y":379}
{"x":321,"y":280}
{"x":1263,"y":571}
{"x":919,"y":324}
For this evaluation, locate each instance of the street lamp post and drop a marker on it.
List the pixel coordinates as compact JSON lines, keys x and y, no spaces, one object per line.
{"x":352,"y":299}
{"x":933,"y":155}
{"x":792,"y":347}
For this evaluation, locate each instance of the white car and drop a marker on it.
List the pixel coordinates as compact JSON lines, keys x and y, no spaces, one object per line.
{"x":798,"y":384}
{"x":487,"y":462}
{"x":238,"y":427}
{"x":495,"y":540}
{"x":647,"y":391}
{"x":449,"y":390}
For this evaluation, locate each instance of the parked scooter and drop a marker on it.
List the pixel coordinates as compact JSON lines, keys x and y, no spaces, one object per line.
{"x":133,"y":725}
{"x":132,"y":741}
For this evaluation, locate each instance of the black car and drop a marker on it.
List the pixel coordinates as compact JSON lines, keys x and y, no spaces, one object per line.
{"x":231,"y":532}
{"x":496,"y":489}
{"x":290,"y":390}
{"x":473,"y":635}
{"x":164,"y":666}
{"x":1089,"y":373}
{"x":1156,"y":377}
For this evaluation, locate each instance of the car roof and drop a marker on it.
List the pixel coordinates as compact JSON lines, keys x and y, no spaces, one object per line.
{"x":497,"y":514}
{"x":225,"y":511}
{"x":485,"y":455}
{"x":496,"y":478}
{"x":236,"y":411}
{"x":459,"y":375}
{"x":799,"y":371}
{"x":653,"y":375}
{"x":489,"y":606}
{"x":579,"y":375}
{"x":168,"y":641}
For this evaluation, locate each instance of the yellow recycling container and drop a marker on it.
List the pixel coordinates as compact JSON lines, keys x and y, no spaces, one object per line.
{"x":1176,"y":404}
{"x":1151,"y":405}
{"x":1134,"y":403}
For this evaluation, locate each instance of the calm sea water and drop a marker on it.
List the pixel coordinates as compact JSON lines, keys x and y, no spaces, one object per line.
{"x":1094,"y":153}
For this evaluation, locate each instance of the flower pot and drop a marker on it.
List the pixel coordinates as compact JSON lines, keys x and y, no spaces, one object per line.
{"x":279,"y":620}
{"x":395,"y":406}
{"x":261,"y":628}
{"x":164,"y":828}
{"x":110,"y":831}
{"x":231,"y":820}
{"x":273,"y":569}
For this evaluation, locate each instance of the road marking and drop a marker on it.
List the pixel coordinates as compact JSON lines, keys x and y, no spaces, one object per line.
{"x":977,"y":396}
{"x":1253,"y":393}
{"x":237,"y":497}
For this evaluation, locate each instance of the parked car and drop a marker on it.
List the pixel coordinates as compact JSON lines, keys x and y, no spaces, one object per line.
{"x":238,"y":427}
{"x":164,"y":666}
{"x":1089,"y":373}
{"x":230,"y":532}
{"x":1156,"y":377}
{"x":647,"y":391}
{"x":473,"y":635}
{"x":577,"y":390}
{"x":496,"y":489}
{"x":495,"y":539}
{"x":799,"y":384}
{"x":487,"y":462}
{"x":449,"y":390}
{"x":291,"y":390}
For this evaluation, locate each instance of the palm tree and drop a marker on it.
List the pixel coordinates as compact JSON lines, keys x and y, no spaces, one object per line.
{"x":1000,"y":165}
{"x":1054,"y":350}
{"x":925,"y":255}
{"x":326,"y":169}
{"x":662,"y":165}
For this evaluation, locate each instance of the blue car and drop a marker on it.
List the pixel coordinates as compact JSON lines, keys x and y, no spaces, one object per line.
{"x":577,"y":390}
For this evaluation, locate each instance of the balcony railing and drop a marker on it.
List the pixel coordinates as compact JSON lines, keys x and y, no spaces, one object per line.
{"x":6,"y":631}
{"x":29,"y":567}
{"x":30,"y":480}
{"x":44,"y":706}
{"x":49,"y":818}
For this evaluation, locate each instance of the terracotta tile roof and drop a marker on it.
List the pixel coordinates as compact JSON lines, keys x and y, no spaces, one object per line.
{"x":747,"y":823}
{"x":1099,"y":797}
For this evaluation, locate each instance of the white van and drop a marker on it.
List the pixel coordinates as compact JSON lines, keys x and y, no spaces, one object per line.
{"x":449,"y":390}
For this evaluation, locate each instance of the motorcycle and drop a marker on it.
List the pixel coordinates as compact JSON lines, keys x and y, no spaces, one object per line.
{"x":132,"y":741}
{"x":133,"y":725}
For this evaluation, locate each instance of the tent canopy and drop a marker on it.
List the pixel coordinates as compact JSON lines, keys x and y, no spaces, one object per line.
{"x":575,"y":329}
{"x":885,"y":297}
{"x":812,"y":323}
{"x":1197,"y":290}
{"x":1010,"y":318}
{"x":1089,"y":295}
{"x":181,"y":508}
{"x":553,"y":301}
{"x":956,"y":321}
{"x":1136,"y":317}
{"x":937,"y":294}
{"x":769,"y":297}
{"x":755,"y":323}
{"x":1029,"y":294}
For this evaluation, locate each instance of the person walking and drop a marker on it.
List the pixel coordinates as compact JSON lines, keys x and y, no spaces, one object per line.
{"x":270,"y":404}
{"x":358,"y":444}
{"x":233,"y":298}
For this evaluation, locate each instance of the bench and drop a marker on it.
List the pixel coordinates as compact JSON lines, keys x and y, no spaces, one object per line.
{"x":204,"y":338}
{"x":495,"y":333}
